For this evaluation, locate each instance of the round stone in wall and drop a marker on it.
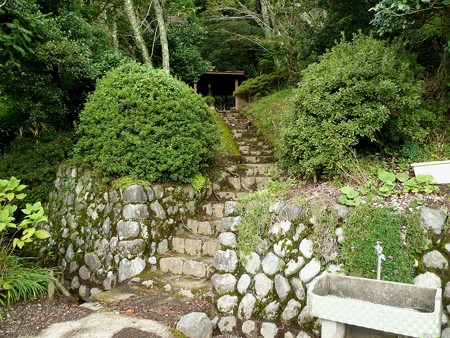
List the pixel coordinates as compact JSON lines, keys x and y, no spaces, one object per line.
{"x":223,"y":284}
{"x":195,"y":325}
{"x":227,"y":325}
{"x":269,"y":330}
{"x":291,"y":311}
{"x":249,"y":329}
{"x":310,"y":270}
{"x":225,"y":261}
{"x":228,"y":239}
{"x":306,"y":248}
{"x":127,"y":229}
{"x":246,"y":307}
{"x":271,"y":264}
{"x":435,"y":260}
{"x":294,"y":266}
{"x":252,"y":263}
{"x":226,"y":304}
{"x":428,"y":280}
{"x":134,"y":193}
{"x":271,"y":310}
{"x":263,"y":285}
{"x":282,"y":286}
{"x":243,"y":283}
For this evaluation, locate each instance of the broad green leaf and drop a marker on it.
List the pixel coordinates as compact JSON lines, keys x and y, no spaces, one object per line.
{"x":386,"y":176}
{"x":411,"y":182}
{"x":422,"y":178}
{"x":343,"y":199}
{"x":349,"y":191}
{"x":42,"y":234}
{"x":20,"y":196}
{"x":402,"y":177}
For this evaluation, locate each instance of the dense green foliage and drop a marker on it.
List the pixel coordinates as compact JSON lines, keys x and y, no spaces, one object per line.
{"x":261,"y":85}
{"x":266,"y":113}
{"x":144,"y":123}
{"x":365,"y":90}
{"x":35,"y":160}
{"x":401,"y":238}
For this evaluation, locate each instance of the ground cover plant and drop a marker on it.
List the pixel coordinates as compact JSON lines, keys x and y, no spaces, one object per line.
{"x":144,"y":123}
{"x":400,"y":235}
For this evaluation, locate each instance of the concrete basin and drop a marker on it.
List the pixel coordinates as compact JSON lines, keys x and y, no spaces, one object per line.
{"x":397,"y":308}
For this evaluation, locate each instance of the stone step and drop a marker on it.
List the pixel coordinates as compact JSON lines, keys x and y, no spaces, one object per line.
{"x":195,"y":245}
{"x":247,"y":148}
{"x":259,"y":169}
{"x":267,"y":152}
{"x":220,"y":209}
{"x":248,"y":183}
{"x":258,"y":159}
{"x":254,"y":142}
{"x":200,"y":227}
{"x":247,"y":140}
{"x":197,"y":285}
{"x":230,"y":195}
{"x":200,"y":267}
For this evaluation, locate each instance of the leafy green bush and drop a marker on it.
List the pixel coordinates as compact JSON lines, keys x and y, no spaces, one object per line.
{"x":266,"y":112}
{"x":144,"y":123}
{"x":401,"y":238}
{"x":360,"y":91}
{"x":261,"y":85}
{"x":19,"y":280}
{"x":36,"y":160}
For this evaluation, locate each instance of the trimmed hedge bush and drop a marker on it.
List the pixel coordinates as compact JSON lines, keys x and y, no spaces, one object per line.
{"x":144,"y":123}
{"x":361,"y":91}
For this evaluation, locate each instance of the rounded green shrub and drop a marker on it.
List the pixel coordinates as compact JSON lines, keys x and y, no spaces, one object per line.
{"x":401,"y":237}
{"x":144,"y":123}
{"x":361,"y":92}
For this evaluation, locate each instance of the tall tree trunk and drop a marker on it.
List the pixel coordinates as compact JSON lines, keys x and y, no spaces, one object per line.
{"x":158,"y":4}
{"x":445,"y":62}
{"x":266,"y":18}
{"x":114,"y":36}
{"x":140,"y":43}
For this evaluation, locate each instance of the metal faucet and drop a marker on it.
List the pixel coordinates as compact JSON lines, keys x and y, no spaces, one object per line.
{"x":379,"y":249}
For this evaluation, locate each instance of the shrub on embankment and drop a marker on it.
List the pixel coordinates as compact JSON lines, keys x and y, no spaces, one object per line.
{"x":144,"y":123}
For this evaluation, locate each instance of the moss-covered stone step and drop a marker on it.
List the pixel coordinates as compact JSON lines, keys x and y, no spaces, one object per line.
{"x":195,"y":245}
{"x":201,"y":267}
{"x":258,"y":159}
{"x":248,"y":183}
{"x":259,"y":169}
{"x":230,"y":195}
{"x":256,"y":152}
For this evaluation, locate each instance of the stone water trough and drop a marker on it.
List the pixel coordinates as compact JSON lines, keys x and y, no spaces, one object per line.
{"x":397,"y":308}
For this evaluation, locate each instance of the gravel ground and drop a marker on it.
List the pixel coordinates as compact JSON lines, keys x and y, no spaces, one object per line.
{"x":29,"y":319}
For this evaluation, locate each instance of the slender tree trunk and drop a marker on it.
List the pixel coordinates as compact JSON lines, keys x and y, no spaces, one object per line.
{"x":445,"y":63}
{"x":140,"y":43}
{"x":266,"y":18}
{"x":114,"y":37}
{"x":158,"y":4}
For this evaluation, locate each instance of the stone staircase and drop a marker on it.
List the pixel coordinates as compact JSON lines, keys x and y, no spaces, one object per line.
{"x":190,"y":261}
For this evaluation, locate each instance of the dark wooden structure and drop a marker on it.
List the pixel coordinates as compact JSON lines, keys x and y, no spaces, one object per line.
{"x":221,"y":84}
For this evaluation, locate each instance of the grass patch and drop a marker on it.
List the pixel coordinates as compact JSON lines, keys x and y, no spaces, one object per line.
{"x":266,"y":113}
{"x":227,"y":144}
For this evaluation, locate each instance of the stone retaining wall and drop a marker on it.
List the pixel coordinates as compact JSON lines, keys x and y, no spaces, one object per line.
{"x":269,"y":286}
{"x":102,"y":236}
